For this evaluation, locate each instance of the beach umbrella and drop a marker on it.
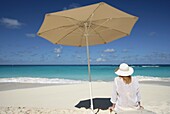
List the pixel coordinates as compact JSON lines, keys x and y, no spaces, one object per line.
{"x":85,"y":26}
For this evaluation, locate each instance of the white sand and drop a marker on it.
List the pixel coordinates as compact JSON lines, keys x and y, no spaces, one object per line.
{"x":61,"y":99}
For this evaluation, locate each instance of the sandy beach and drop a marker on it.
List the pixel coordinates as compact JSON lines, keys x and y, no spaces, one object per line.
{"x":17,"y":98}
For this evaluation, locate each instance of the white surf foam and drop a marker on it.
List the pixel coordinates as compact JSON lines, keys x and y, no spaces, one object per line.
{"x":150,"y":66}
{"x":69,"y":81}
{"x":40,"y":80}
{"x":151,"y":78}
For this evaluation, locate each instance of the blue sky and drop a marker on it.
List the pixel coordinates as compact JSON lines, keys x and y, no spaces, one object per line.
{"x":20,"y":20}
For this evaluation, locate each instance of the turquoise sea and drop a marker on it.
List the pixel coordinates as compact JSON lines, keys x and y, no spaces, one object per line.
{"x":63,"y":74}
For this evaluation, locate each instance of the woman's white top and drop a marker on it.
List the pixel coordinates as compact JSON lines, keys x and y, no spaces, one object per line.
{"x":125,"y":96}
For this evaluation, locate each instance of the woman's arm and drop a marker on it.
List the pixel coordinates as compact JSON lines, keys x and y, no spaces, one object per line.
{"x":114,"y":96}
{"x":112,"y":107}
{"x":114,"y":93}
{"x":139,"y":96}
{"x":140,"y":106}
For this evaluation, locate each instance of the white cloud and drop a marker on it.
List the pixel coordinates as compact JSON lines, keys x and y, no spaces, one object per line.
{"x":30,"y":35}
{"x":109,"y":50}
{"x":10,"y":23}
{"x":102,"y":55}
{"x":78,"y":56}
{"x":71,"y":6}
{"x":152,"y":33}
{"x":100,"y":60}
{"x":125,"y":50}
{"x":58,"y":55}
{"x":58,"y":51}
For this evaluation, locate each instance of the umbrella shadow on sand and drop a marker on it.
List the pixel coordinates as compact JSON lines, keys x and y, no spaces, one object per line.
{"x":99,"y":103}
{"x":104,"y":104}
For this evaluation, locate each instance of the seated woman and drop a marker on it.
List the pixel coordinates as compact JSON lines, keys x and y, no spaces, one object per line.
{"x":126,"y":94}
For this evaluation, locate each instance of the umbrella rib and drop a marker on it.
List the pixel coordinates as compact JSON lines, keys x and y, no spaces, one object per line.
{"x":114,"y":18}
{"x":102,"y":23}
{"x":110,"y":28}
{"x":74,"y":24}
{"x":56,"y":28}
{"x":94,"y":11}
{"x":99,"y":35}
{"x":65,"y":17}
{"x":91,"y":16}
{"x":66,"y":35}
{"x":70,"y":21}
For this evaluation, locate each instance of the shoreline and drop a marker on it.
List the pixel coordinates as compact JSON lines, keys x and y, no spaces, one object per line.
{"x":5,"y":86}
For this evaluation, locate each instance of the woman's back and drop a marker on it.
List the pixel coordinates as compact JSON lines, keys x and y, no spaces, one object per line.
{"x":128,"y":94}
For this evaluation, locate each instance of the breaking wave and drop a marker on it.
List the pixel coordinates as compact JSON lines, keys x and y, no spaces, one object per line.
{"x":69,"y":81}
{"x":150,"y":78}
{"x":40,"y":80}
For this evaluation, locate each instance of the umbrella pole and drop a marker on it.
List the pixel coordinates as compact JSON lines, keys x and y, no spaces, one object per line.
{"x":89,"y":73}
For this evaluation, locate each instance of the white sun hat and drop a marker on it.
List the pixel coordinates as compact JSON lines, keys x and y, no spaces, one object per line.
{"x":124,"y":70}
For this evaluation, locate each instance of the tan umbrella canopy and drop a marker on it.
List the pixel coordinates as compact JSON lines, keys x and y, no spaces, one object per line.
{"x":89,"y":25}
